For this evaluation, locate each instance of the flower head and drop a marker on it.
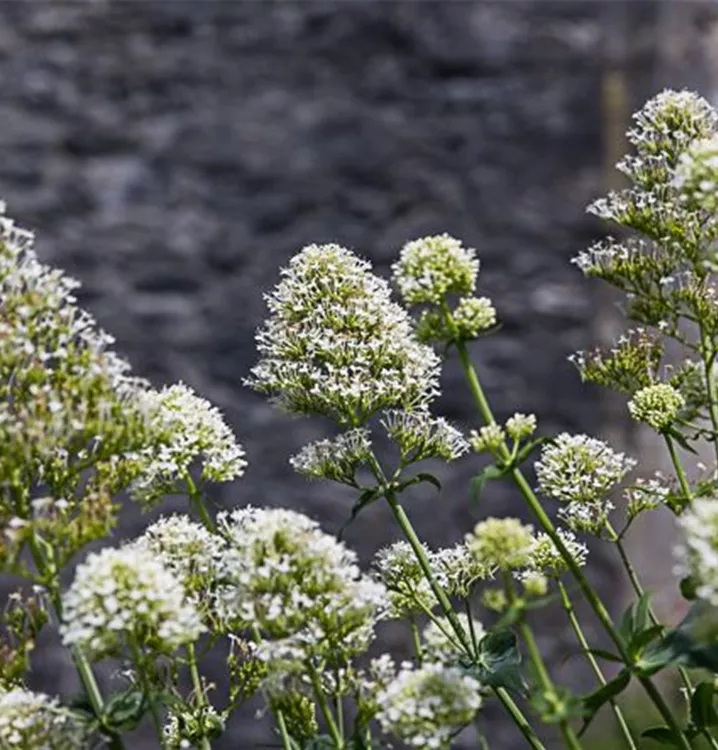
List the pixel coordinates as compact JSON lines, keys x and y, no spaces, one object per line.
{"x":473,"y":315}
{"x":425,"y":707}
{"x":698,"y":553}
{"x":34,"y":721}
{"x":335,"y":344}
{"x":457,"y":569}
{"x":578,"y":468}
{"x":503,"y":543}
{"x":521,"y":426}
{"x":187,"y":728}
{"x":488,"y":439}
{"x":300,"y":588}
{"x":440,"y":643}
{"x":546,"y":558}
{"x":656,"y":405}
{"x":696,"y":176}
{"x":336,"y":458}
{"x":127,"y":596}
{"x":398,"y":569}
{"x":421,"y":436}
{"x":189,"y":429}
{"x":430,"y":268}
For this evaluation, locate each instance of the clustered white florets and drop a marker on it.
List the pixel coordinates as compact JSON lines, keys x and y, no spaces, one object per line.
{"x":300,"y":588}
{"x":474,"y":315}
{"x":421,"y":436}
{"x":398,"y":569}
{"x":440,"y":644}
{"x":545,"y":557}
{"x":335,"y":458}
{"x":430,"y":268}
{"x":190,"y":430}
{"x":424,"y":707}
{"x":501,"y":543}
{"x":185,"y":729}
{"x":456,"y":569}
{"x":488,"y":438}
{"x":336,"y":344}
{"x":656,"y":405}
{"x":696,"y":176}
{"x":697,"y":555}
{"x":34,"y":721}
{"x":127,"y":597}
{"x":187,"y":548}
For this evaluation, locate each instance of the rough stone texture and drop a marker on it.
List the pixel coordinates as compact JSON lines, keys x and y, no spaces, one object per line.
{"x":173,"y":154}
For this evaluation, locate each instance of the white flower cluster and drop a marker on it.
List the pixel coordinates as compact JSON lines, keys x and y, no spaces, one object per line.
{"x":430,"y":268}
{"x":185,"y":729}
{"x":398,"y":569}
{"x":335,"y":344}
{"x":521,"y":426}
{"x":456,"y":570}
{"x":424,"y":707}
{"x":336,"y":458}
{"x":473,"y":315}
{"x":544,"y":555}
{"x":608,"y":256}
{"x":127,"y":597}
{"x":696,"y":176}
{"x":580,"y":469}
{"x":489,"y":438}
{"x":35,"y":721}
{"x":501,"y":543}
{"x":440,"y":644}
{"x":186,"y":548}
{"x":656,"y":405}
{"x":698,"y":554}
{"x":189,"y":429}
{"x":646,"y":494}
{"x":421,"y":436}
{"x":300,"y":588}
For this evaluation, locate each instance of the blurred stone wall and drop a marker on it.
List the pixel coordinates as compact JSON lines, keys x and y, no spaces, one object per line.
{"x":172,"y":155}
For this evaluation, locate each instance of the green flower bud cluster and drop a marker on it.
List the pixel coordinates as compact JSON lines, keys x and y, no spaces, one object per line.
{"x":502,"y":543}
{"x":656,"y":405}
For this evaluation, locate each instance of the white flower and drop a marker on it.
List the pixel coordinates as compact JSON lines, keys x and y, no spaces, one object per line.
{"x":473,"y":315}
{"x":34,"y":721}
{"x":336,"y":344}
{"x":698,"y":554}
{"x":441,"y":645}
{"x":696,"y":176}
{"x":589,"y":518}
{"x":578,"y":468}
{"x":489,"y":438}
{"x":430,"y":268}
{"x":190,"y":429}
{"x":186,"y":548}
{"x":398,"y":569}
{"x":425,"y":707}
{"x":336,"y":458}
{"x":457,"y":569}
{"x":545,"y":557}
{"x":300,"y":588}
{"x":185,"y":729}
{"x":127,"y":597}
{"x":501,"y":543}
{"x":421,"y":436}
{"x":521,"y":426}
{"x":656,"y":405}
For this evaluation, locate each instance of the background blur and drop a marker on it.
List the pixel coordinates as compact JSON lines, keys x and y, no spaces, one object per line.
{"x":172,"y":154}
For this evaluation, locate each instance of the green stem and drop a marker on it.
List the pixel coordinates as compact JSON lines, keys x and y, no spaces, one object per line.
{"x":472,"y":629}
{"x":82,"y":665}
{"x":709,"y":355}
{"x":680,"y":473}
{"x":417,"y":641}
{"x":198,"y":503}
{"x":287,"y":743}
{"x":146,"y":688}
{"x":547,"y":525}
{"x":575,"y":625}
{"x":326,"y":711}
{"x":520,"y":720}
{"x":201,"y":698}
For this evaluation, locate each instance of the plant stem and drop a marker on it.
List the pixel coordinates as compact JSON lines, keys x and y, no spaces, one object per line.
{"x":537,"y":509}
{"x":680,"y":473}
{"x":286,"y":739}
{"x":196,"y":498}
{"x":575,"y":625}
{"x":709,"y":354}
{"x":198,"y":689}
{"x":520,"y":720}
{"x":146,"y":688}
{"x":82,"y":665}
{"x":326,"y":711}
{"x":417,"y":641}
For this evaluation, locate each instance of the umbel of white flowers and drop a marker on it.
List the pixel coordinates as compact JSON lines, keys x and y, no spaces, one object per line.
{"x":335,"y":344}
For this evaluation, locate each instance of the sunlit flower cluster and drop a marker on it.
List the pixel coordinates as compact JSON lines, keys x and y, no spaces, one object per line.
{"x":419,"y":436}
{"x":696,"y":176}
{"x":488,"y":438}
{"x":336,"y":344}
{"x":457,"y":569}
{"x":697,"y":555}
{"x":521,"y":426}
{"x":336,"y":458}
{"x":474,"y":315}
{"x":189,"y":430}
{"x":127,"y":597}
{"x":398,"y":569}
{"x":545,"y":557}
{"x":300,"y":589}
{"x":34,"y":721}
{"x":424,"y":707}
{"x":503,"y":543}
{"x":431,"y":268}
{"x":656,"y":405}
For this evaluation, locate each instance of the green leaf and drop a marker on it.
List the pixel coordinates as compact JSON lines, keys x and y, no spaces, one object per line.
{"x":703,"y":713}
{"x":430,"y":478}
{"x":323,"y":742}
{"x":594,"y":701}
{"x":681,"y":439}
{"x":662,"y":735}
{"x":641,"y":640}
{"x":487,"y":474}
{"x":635,"y":619}
{"x":688,"y":586}
{"x":367,"y":497}
{"x":124,"y":711}
{"x":499,"y":660}
{"x":605,"y":655}
{"x":528,"y":448}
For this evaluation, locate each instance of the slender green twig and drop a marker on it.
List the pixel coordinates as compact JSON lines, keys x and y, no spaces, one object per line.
{"x":576,"y":626}
{"x":520,"y":720}
{"x":201,"y":698}
{"x":336,"y":736}
{"x":198,"y":503}
{"x":139,"y":662}
{"x":287,"y":743}
{"x":417,"y":641}
{"x":709,"y":352}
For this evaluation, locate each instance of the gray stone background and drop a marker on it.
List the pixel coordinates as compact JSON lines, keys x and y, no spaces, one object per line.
{"x":172,"y":154}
